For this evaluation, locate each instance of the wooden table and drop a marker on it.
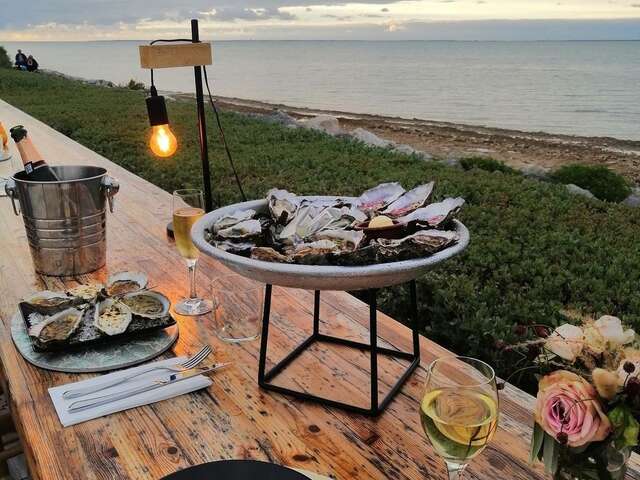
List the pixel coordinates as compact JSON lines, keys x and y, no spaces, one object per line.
{"x":233,"y":418}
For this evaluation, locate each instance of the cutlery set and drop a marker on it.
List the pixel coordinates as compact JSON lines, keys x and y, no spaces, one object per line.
{"x":188,"y":369}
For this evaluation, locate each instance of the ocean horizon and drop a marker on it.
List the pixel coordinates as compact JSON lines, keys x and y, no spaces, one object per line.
{"x":573,"y":87}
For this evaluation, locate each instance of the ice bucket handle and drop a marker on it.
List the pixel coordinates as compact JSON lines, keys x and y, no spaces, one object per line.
{"x":10,"y":189}
{"x":110,"y":186}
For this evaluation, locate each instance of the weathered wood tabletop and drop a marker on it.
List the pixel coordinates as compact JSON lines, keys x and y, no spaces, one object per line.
{"x":233,"y":418}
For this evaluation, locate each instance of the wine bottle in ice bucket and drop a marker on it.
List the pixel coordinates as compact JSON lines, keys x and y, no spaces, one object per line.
{"x":35,"y":167}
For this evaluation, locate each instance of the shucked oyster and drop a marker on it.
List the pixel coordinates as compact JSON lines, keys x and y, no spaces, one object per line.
{"x":126,"y":282}
{"x":379,"y":197}
{"x":343,"y":239}
{"x":148,"y":304}
{"x":435,"y":214}
{"x":87,"y":292}
{"x":410,"y":201}
{"x":58,"y":327}
{"x":233,"y":219}
{"x":48,"y":302}
{"x":282,"y":205}
{"x":112,"y":317}
{"x":421,"y":243}
{"x":242,"y":231}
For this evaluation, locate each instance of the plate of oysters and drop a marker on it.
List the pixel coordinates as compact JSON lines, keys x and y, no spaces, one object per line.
{"x":96,"y":313}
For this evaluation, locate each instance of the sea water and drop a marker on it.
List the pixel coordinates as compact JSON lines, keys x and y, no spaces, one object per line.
{"x":580,"y":88}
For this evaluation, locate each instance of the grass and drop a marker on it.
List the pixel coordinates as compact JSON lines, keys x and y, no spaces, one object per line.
{"x":536,"y":249}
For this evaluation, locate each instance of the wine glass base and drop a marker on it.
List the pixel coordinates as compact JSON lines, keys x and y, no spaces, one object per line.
{"x":193,"y":306}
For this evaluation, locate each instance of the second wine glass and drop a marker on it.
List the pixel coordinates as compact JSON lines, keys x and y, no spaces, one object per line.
{"x":459,"y":410}
{"x":188,"y":207}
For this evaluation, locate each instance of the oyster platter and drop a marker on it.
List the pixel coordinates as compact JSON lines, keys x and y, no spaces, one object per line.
{"x":95,"y":313}
{"x":384,"y":224}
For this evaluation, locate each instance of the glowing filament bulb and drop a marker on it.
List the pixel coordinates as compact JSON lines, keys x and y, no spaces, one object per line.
{"x":163,"y":142}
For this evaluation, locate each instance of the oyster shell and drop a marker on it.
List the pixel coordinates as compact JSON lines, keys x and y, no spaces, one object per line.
{"x":48,"y":302}
{"x":435,"y":214}
{"x":233,"y":219}
{"x":148,"y":304}
{"x":410,"y":201}
{"x":344,"y":240}
{"x":312,"y":219}
{"x":419,"y":244}
{"x":268,"y":254}
{"x":58,"y":327}
{"x":112,"y":317}
{"x":379,"y":197}
{"x":242,"y":231}
{"x":87,"y":292}
{"x":234,"y":247}
{"x":126,"y":282}
{"x":282,"y":205}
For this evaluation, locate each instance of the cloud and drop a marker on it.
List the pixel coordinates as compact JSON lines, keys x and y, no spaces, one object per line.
{"x":18,"y":15}
{"x":232,"y":14}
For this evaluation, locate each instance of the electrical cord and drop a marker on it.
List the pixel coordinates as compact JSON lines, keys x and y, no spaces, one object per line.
{"x":222,"y":137}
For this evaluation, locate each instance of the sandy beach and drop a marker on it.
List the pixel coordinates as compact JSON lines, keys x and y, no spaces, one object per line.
{"x":442,"y":139}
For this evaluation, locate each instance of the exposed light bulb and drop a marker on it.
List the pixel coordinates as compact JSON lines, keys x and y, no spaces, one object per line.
{"x":163,"y":142}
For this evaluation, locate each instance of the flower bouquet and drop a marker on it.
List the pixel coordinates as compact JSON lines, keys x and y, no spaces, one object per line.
{"x":588,"y":402}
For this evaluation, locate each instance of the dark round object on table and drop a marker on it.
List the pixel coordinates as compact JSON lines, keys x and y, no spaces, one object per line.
{"x":236,"y":470}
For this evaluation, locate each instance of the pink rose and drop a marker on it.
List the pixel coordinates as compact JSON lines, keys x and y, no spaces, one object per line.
{"x":568,"y":403}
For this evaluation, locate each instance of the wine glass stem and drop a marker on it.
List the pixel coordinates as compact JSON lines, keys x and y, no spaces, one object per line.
{"x":455,"y":470}
{"x":191,"y":264}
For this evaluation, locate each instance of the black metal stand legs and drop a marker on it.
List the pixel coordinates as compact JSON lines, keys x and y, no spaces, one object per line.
{"x":376,"y":407}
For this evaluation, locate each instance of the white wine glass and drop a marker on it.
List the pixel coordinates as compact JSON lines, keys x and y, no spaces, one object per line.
{"x":188,"y":207}
{"x":459,"y":410}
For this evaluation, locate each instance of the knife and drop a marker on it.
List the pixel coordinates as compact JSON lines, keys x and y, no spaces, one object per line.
{"x":81,"y":405}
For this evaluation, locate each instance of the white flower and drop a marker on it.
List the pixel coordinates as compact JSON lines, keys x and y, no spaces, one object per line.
{"x":631,"y":356}
{"x":566,"y":342}
{"x":607,"y":331}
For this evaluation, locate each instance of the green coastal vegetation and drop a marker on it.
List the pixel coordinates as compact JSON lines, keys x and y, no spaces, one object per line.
{"x":536,"y":249}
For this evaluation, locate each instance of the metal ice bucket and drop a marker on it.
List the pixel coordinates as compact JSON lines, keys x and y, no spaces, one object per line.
{"x":65,"y":220}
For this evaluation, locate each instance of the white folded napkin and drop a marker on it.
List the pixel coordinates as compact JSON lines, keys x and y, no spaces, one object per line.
{"x":152,"y":396}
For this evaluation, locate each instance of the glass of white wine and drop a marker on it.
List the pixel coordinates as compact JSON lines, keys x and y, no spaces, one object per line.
{"x":188,"y":207}
{"x":459,"y":410}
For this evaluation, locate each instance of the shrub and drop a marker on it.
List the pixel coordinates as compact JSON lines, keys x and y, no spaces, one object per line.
{"x":599,"y":180}
{"x":133,"y":85}
{"x":5,"y":61}
{"x":535,"y":249}
{"x":486,"y":163}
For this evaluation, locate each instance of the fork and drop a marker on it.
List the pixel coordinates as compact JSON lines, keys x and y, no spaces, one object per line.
{"x":188,"y":364}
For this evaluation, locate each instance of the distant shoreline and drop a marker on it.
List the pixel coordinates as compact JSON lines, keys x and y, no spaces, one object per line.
{"x":517,"y":148}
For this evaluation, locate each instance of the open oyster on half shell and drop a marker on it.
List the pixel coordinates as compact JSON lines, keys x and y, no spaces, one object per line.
{"x":58,"y":327}
{"x":112,"y":317}
{"x":48,"y":302}
{"x":88,"y":292}
{"x":147,"y":303}
{"x":421,"y":243}
{"x":122,"y":283}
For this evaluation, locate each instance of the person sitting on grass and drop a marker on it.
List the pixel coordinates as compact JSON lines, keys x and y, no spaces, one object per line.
{"x":21,"y":60}
{"x":32,"y":64}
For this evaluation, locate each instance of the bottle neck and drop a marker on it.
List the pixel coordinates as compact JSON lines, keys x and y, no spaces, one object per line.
{"x":28,"y":152}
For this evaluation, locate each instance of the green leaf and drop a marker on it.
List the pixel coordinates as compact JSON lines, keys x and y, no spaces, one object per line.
{"x":550,"y":453}
{"x":625,"y":427}
{"x":536,"y":442}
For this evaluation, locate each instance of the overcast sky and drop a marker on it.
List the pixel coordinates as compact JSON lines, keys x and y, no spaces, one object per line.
{"x":321,"y":19}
